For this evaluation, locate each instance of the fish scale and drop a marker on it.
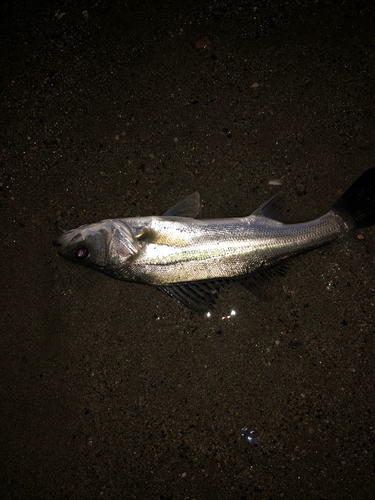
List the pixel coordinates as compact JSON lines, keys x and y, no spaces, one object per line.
{"x":225,"y":248}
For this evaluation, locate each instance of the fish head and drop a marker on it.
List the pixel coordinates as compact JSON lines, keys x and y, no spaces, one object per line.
{"x":105,"y":246}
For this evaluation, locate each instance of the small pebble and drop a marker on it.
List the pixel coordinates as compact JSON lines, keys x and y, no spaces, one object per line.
{"x":275,"y":183}
{"x":204,"y":43}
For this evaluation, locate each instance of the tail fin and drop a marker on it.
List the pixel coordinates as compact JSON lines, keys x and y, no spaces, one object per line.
{"x":357,"y":204}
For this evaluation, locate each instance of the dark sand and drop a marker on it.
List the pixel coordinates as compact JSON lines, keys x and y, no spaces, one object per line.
{"x":112,"y":390}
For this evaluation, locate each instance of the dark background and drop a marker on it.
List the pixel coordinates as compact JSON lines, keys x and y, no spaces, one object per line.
{"x":112,"y":390}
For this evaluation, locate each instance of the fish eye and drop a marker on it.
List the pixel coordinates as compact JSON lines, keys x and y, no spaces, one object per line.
{"x":82,"y":253}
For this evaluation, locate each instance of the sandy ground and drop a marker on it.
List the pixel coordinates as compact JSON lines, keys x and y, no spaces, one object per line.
{"x":112,"y":390}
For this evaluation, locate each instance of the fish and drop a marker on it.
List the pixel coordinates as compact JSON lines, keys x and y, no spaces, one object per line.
{"x":189,"y":259}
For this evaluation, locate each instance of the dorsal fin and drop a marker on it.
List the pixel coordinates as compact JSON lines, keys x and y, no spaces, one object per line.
{"x":273,"y":208}
{"x":189,"y":207}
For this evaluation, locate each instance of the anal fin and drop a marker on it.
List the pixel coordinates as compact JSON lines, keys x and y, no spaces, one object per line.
{"x":256,"y":281}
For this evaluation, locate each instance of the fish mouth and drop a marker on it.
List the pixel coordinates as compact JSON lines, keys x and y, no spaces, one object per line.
{"x":66,"y":239}
{"x":57,"y":242}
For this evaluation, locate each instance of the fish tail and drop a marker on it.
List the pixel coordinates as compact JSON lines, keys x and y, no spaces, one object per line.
{"x":357,"y":205}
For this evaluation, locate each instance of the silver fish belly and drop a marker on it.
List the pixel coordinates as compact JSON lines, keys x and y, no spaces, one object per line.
{"x":187,"y":258}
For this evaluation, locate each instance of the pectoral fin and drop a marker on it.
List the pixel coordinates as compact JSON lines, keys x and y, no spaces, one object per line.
{"x":146,"y":234}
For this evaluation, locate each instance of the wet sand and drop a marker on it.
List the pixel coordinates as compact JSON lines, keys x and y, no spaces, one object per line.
{"x":112,"y":390}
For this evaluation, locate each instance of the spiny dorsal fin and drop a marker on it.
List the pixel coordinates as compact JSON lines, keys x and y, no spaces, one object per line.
{"x":273,"y":208}
{"x":187,"y":208}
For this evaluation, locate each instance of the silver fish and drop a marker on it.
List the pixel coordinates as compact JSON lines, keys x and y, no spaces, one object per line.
{"x":188,"y":259}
